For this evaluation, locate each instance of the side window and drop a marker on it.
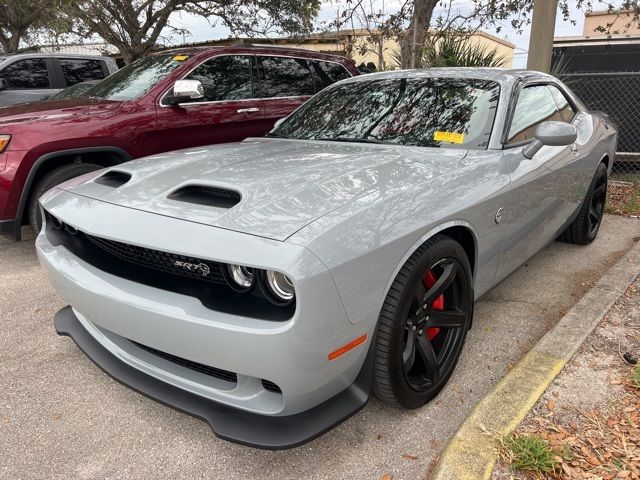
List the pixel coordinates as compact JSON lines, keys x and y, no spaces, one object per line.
{"x":224,"y":78}
{"x":535,"y":105}
{"x":27,"y":73}
{"x":567,"y":111}
{"x":77,"y":70}
{"x":284,"y":77}
{"x":326,"y":73}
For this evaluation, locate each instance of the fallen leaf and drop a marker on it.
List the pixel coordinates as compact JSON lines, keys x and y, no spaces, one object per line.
{"x":551,"y":404}
{"x":408,"y":456}
{"x":386,"y":476}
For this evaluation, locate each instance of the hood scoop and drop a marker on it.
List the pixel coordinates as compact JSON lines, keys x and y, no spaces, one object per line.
{"x":113,"y":178}
{"x":207,"y":196}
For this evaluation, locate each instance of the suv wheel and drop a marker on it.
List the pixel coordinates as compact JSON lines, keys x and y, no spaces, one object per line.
{"x":50,"y":180}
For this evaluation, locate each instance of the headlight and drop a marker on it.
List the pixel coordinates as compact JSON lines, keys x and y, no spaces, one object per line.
{"x":279,"y":288}
{"x":240,"y":278}
{"x":4,"y":142}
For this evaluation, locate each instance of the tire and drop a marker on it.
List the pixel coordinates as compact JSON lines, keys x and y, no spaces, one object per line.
{"x":50,"y":180}
{"x":418,"y":344}
{"x":584,"y":229}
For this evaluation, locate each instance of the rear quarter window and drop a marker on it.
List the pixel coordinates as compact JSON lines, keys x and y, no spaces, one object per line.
{"x":78,"y":70}
{"x":327,"y":73}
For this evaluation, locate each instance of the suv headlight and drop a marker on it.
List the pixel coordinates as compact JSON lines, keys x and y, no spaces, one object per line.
{"x":4,"y":142}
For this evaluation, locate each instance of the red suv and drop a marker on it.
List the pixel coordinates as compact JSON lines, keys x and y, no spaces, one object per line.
{"x":167,"y":101}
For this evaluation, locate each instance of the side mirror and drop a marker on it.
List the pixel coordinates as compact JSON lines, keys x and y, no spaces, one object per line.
{"x":185,"y":91}
{"x":3,"y":84}
{"x":553,"y":134}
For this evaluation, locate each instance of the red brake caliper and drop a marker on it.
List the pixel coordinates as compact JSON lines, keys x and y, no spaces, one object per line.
{"x":438,"y":304}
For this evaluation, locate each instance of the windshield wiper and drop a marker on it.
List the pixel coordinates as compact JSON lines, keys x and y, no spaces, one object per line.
{"x":349,"y":139}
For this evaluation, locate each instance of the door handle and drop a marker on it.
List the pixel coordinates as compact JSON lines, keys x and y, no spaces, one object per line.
{"x":248,"y":110}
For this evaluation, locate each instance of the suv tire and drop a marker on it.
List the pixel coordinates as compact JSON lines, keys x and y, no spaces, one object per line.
{"x":50,"y":180}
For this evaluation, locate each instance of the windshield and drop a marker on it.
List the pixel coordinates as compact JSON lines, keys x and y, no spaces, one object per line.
{"x":426,"y":112}
{"x":133,"y":80}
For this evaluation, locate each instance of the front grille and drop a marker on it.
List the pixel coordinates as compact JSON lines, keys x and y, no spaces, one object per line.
{"x":164,"y":261}
{"x":198,"y":367}
{"x":194,"y":277}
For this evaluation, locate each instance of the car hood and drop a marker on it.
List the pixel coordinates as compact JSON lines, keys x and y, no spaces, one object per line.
{"x":48,"y":110}
{"x":284,"y":184}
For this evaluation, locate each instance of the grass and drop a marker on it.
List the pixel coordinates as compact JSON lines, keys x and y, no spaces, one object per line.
{"x":635,"y":377}
{"x":532,"y":453}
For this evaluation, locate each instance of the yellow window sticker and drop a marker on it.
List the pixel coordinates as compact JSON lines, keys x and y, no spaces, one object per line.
{"x":449,"y":137}
{"x":180,"y":58}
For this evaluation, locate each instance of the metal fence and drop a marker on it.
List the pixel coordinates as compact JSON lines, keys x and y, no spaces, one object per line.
{"x":618,"y":95}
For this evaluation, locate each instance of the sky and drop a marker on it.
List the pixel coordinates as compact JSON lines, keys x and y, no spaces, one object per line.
{"x":200,"y":29}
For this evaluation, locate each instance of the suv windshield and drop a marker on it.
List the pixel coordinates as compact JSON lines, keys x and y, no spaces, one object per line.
{"x":133,"y":80}
{"x":426,"y":112}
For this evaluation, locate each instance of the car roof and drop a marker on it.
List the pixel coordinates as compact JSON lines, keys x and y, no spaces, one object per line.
{"x":501,"y":75}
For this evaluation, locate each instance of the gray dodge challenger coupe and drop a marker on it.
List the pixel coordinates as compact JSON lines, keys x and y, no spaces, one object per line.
{"x":269,"y":286}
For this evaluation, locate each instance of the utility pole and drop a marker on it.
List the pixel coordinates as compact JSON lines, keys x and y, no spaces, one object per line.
{"x":543,"y":26}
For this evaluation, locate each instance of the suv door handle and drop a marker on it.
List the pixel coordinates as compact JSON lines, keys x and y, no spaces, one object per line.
{"x":248,"y":110}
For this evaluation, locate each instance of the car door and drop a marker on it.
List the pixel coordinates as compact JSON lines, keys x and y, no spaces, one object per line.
{"x":285,"y":84}
{"x":27,"y":80}
{"x":574,"y":171}
{"x":533,"y":208}
{"x":228,"y":112}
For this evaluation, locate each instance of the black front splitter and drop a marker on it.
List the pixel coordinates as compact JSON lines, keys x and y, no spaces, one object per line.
{"x":228,"y":423}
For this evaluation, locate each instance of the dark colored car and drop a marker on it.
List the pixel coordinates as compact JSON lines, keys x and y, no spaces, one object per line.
{"x":167,"y":101}
{"x":29,"y":77}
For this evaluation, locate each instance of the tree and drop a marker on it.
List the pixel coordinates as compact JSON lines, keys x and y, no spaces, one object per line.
{"x":134,"y":26}
{"x":451,"y":49}
{"x":415,"y":18}
{"x":22,"y":20}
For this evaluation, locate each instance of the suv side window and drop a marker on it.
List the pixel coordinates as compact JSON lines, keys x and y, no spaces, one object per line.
{"x":326,"y":73}
{"x":27,"y":73}
{"x":78,"y":70}
{"x":224,"y":78}
{"x":285,"y":77}
{"x":567,"y":112}
{"x":535,"y":105}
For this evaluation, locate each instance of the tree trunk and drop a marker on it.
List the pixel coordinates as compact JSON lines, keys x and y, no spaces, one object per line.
{"x":412,"y":43}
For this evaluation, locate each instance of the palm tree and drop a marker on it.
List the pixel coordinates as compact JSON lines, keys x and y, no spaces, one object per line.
{"x":455,"y":49}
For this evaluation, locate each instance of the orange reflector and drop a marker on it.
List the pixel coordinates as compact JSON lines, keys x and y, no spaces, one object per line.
{"x":4,"y":141}
{"x":349,"y":346}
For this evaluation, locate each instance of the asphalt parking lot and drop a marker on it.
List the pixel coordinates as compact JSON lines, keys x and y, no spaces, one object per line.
{"x":61,"y":417}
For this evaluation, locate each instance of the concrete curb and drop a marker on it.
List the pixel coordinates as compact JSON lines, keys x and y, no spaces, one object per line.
{"x":472,"y":452}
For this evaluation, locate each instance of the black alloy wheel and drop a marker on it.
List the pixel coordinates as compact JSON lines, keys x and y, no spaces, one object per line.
{"x":423,"y":324}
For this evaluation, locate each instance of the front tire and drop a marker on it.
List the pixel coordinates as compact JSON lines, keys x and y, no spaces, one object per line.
{"x":423,"y":324}
{"x":50,"y":180}
{"x":584,"y":229}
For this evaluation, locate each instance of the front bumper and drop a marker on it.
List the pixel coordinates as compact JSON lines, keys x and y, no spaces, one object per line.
{"x":119,"y":318}
{"x":227,"y":423}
